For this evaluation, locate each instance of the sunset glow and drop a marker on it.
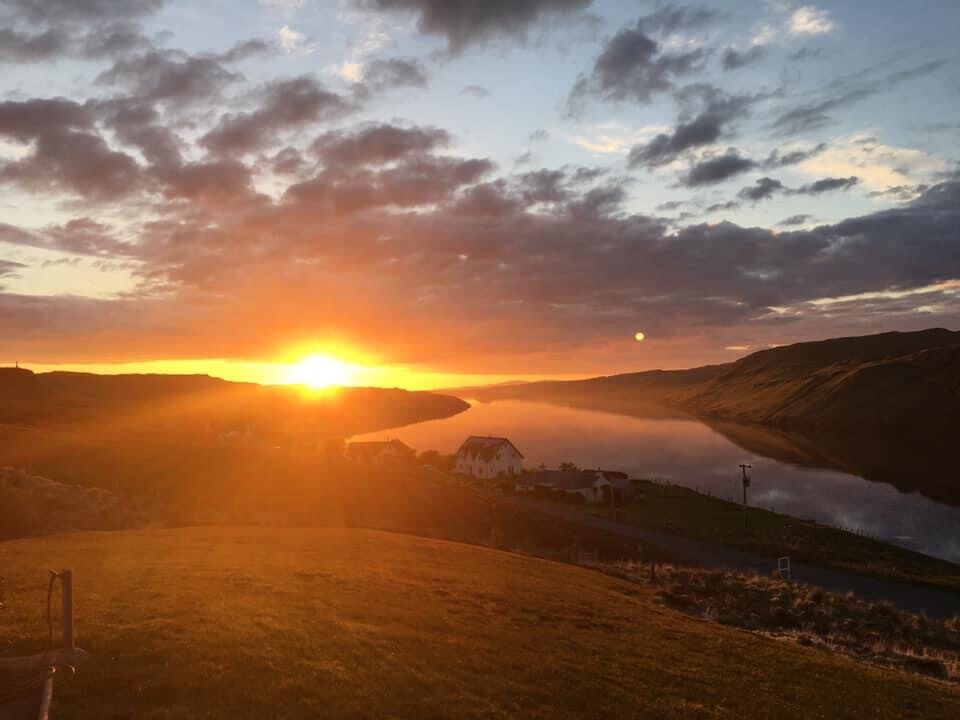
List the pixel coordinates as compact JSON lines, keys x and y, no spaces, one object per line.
{"x":319,"y":371}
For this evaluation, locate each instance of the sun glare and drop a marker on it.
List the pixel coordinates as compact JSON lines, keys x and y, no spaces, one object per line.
{"x":320,"y":371}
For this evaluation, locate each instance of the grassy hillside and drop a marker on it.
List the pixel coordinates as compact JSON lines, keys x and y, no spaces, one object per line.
{"x":886,"y":380}
{"x":254,"y":622}
{"x":199,"y":405}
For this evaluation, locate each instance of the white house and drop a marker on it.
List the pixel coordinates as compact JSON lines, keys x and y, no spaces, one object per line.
{"x":488,"y":457}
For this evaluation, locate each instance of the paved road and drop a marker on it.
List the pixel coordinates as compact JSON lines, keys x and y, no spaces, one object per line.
{"x":935,"y":603}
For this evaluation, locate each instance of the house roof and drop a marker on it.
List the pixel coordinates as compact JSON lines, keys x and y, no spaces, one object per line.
{"x":565,"y":479}
{"x":484,"y":448}
{"x":375,"y":447}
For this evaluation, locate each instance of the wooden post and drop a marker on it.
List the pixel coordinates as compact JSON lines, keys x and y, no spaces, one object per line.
{"x":66,"y":582}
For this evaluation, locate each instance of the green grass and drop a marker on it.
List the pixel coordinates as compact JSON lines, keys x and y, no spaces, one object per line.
{"x":303,"y":623}
{"x":689,"y":513}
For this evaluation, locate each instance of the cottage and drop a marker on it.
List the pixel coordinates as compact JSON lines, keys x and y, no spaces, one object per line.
{"x":488,"y":457}
{"x":384,"y":452}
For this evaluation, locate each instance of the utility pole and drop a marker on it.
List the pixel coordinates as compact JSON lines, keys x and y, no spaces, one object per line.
{"x":746,"y":483}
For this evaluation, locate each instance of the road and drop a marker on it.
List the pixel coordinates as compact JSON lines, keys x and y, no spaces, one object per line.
{"x":915,"y":598}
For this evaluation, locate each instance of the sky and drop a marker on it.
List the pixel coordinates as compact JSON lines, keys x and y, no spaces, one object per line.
{"x":427,"y":193}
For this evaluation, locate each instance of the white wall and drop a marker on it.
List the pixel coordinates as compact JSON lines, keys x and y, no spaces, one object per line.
{"x":506,"y":459}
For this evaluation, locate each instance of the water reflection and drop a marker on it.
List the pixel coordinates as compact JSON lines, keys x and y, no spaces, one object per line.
{"x":688,"y":452}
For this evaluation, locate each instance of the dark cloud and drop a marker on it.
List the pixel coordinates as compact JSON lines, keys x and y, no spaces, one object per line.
{"x":671,"y":205}
{"x":795,"y":220}
{"x":538,"y":135}
{"x":466,"y":22}
{"x":29,"y":119}
{"x":827,"y":185}
{"x":717,"y":169}
{"x":632,"y":66}
{"x":389,"y":74}
{"x":75,"y":162}
{"x":67,"y":154}
{"x":246,"y":49}
{"x":705,"y":129}
{"x":478,"y":91}
{"x":58,"y":11}
{"x":778,"y":160}
{"x":524,"y":158}
{"x":762,"y":189}
{"x":377,"y":144}
{"x":717,"y":207}
{"x":215,"y":182}
{"x":418,"y":180}
{"x":734,"y":59}
{"x":288,"y":161}
{"x":139,"y":125}
{"x":79,"y":236}
{"x":102,"y":41}
{"x":284,"y":105}
{"x":23,"y":47}
{"x":170,"y":76}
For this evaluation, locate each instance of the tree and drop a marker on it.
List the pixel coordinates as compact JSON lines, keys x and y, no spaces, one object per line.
{"x":569,"y":466}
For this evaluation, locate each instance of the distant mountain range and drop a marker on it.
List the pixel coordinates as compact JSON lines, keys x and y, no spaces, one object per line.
{"x":888,"y":380}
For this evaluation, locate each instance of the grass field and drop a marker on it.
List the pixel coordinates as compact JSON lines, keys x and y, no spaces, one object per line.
{"x":689,"y":513}
{"x":240,"y":622}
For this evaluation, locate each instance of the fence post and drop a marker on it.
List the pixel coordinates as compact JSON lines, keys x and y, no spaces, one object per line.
{"x":66,"y":582}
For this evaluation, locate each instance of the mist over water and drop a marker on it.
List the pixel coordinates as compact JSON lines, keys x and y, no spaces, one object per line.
{"x":686,"y":452}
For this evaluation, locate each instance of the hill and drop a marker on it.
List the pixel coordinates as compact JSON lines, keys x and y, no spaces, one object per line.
{"x":890,"y":380}
{"x":887,"y":380}
{"x":301,"y":623}
{"x":208,"y":405}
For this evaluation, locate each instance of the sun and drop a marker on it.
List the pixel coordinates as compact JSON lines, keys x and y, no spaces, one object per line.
{"x":320,"y":371}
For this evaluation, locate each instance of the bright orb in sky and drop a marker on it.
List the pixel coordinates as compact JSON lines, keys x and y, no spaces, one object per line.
{"x":639,"y":337}
{"x":319,"y":371}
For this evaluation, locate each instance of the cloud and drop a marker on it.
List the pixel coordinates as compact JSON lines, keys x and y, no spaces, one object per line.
{"x":704,"y":129}
{"x":795,"y":220}
{"x":734,"y":59}
{"x":170,"y":76}
{"x":465,"y":22}
{"x":809,"y":20}
{"x":391,"y":73}
{"x":477,"y":91}
{"x":674,"y":18}
{"x":82,"y":10}
{"x":878,"y":165}
{"x":633,"y":67}
{"x":762,"y":189}
{"x":284,"y":105}
{"x":717,"y":168}
{"x":37,"y":31}
{"x":827,"y":185}
{"x":377,"y":144}
{"x":844,"y":92}
{"x":776,"y":159}
{"x":291,"y":40}
{"x":66,"y":153}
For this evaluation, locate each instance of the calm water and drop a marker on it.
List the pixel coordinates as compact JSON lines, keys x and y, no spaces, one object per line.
{"x":689,"y":453}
